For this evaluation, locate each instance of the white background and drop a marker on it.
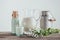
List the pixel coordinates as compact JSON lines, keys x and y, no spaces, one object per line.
{"x":7,"y":6}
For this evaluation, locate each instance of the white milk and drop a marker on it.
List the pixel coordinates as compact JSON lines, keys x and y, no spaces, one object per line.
{"x":29,"y":23}
{"x":19,"y":31}
{"x":14,"y":23}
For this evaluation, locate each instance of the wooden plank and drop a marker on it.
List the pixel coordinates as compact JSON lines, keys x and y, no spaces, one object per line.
{"x":9,"y":36}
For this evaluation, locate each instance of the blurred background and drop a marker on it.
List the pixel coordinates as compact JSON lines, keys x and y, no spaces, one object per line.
{"x":7,"y":6}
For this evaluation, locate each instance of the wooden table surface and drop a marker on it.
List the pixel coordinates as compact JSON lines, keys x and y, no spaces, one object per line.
{"x":9,"y":36}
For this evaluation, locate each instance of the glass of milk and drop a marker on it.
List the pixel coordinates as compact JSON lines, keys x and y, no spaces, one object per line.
{"x":19,"y":31}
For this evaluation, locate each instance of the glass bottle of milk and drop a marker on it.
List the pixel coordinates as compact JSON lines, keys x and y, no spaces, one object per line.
{"x":15,"y":21}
